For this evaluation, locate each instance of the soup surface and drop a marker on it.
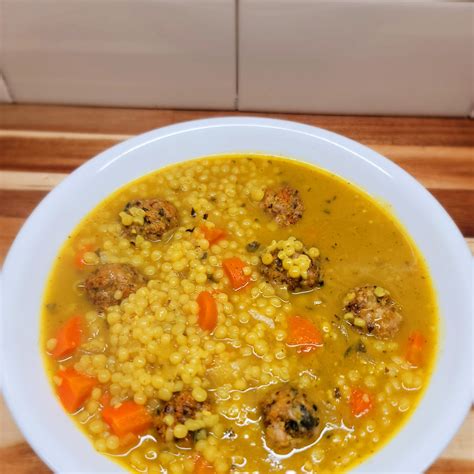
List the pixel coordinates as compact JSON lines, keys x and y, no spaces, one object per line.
{"x":239,"y":314}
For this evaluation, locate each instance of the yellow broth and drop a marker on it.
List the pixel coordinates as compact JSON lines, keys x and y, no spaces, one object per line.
{"x":132,"y":350}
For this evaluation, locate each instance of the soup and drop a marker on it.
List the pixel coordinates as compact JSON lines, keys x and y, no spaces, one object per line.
{"x":241,"y":313}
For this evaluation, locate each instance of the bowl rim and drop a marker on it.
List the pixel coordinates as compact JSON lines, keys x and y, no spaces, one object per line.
{"x":106,"y":158}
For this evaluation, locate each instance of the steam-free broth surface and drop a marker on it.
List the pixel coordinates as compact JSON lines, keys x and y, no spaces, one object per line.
{"x":239,"y":313}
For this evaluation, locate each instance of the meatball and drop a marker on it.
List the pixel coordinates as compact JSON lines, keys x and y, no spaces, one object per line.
{"x":181,"y":407}
{"x":111,"y":283}
{"x":283,"y":204}
{"x":150,"y":218}
{"x":289,"y":418}
{"x":288,"y":263}
{"x":371,"y":310}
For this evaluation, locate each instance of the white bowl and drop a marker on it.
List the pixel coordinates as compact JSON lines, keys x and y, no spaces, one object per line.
{"x":28,"y":393}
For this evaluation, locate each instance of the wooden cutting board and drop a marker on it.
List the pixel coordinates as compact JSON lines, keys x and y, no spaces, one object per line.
{"x":40,"y":145}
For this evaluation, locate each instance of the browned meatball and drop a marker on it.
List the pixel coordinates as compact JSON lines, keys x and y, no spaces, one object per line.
{"x":275,"y":272}
{"x":150,"y":218}
{"x":283,"y":204}
{"x":371,"y":310}
{"x":289,"y":418}
{"x":111,"y":283}
{"x":181,"y":407}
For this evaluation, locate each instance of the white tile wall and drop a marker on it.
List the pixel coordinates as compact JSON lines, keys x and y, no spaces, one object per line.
{"x":151,"y":53}
{"x":351,"y":56}
{"x":357,"y":57}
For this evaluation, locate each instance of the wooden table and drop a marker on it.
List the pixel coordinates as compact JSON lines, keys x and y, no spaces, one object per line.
{"x":40,"y":145}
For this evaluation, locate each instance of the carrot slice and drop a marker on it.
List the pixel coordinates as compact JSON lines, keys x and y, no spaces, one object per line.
{"x":74,"y":389}
{"x":79,"y":257}
{"x":416,"y":343}
{"x":234,"y":269}
{"x":303,"y":334}
{"x":212,"y":234}
{"x":201,"y":466}
{"x":360,"y":401}
{"x":207,"y":311}
{"x":68,"y":338}
{"x":129,"y":417}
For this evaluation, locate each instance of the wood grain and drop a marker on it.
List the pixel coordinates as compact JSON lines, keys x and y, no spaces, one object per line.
{"x":9,"y":228}
{"x":453,"y":466}
{"x":40,"y":145}
{"x":49,"y":154}
{"x":447,"y":171}
{"x":19,"y":203}
{"x":411,"y":131}
{"x":460,"y":205}
{"x":21,"y":180}
{"x":64,"y":152}
{"x":21,"y":459}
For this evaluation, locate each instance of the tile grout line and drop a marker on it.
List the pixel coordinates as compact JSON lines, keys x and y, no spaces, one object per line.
{"x":3,"y":81}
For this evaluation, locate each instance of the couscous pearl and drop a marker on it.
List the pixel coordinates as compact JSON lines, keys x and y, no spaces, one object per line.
{"x":199,"y":394}
{"x":51,"y":344}
{"x":180,"y":431}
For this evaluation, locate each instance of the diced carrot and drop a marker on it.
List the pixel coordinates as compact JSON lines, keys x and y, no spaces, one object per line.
{"x":414,"y":353}
{"x":234,"y":269}
{"x":212,"y":234}
{"x":129,"y":417}
{"x":105,"y":399}
{"x":79,"y":257}
{"x":68,"y":338}
{"x":303,"y":334}
{"x":207,"y":311}
{"x":74,"y":388}
{"x":360,"y":401}
{"x":201,"y":466}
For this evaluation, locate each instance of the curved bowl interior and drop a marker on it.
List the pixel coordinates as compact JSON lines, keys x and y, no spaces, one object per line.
{"x":27,"y":390}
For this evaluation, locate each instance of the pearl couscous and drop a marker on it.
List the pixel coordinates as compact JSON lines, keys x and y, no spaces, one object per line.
{"x":239,"y":314}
